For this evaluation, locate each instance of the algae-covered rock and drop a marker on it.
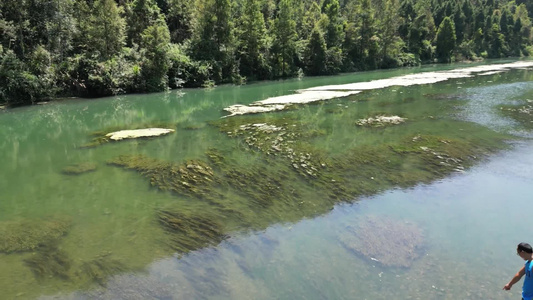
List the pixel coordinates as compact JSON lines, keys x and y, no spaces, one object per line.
{"x":384,"y":240}
{"x":78,"y":169}
{"x":190,"y":231}
{"x":27,"y":235}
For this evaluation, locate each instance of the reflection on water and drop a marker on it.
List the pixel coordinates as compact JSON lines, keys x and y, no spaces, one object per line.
{"x":287,"y":248}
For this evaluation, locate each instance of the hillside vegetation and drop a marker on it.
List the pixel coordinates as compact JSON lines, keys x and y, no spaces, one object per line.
{"x":86,"y":48}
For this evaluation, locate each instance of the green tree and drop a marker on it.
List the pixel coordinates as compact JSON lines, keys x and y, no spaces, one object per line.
{"x":310,"y":20}
{"x":333,"y":30}
{"x":212,"y":40}
{"x":106,"y":30}
{"x":360,"y":46}
{"x":156,"y":41}
{"x":60,"y":28}
{"x":285,"y":36}
{"x":140,"y":14}
{"x":446,"y":40}
{"x":367,"y":42}
{"x":497,"y":46}
{"x":459,"y":21}
{"x":18,"y":85}
{"x":252,"y":49}
{"x":315,"y":53}
{"x":389,"y":23}
{"x":180,"y":20}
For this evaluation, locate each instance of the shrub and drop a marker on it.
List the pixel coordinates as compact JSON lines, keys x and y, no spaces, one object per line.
{"x":88,"y":76}
{"x":185,"y":72}
{"x":18,"y":85}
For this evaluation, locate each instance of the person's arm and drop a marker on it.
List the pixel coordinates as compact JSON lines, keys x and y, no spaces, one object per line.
{"x":515,"y":279}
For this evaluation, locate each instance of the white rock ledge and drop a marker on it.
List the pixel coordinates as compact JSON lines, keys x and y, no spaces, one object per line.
{"x":305,"y":96}
{"x":137,"y":133}
{"x":342,"y":90}
{"x":281,"y":102}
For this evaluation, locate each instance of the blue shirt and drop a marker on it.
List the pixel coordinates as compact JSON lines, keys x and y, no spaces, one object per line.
{"x":527,"y":288}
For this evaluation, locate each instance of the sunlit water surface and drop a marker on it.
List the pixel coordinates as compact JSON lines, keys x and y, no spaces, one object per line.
{"x":471,"y":221}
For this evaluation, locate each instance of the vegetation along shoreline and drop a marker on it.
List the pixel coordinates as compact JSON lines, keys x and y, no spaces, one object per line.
{"x":78,"y":48}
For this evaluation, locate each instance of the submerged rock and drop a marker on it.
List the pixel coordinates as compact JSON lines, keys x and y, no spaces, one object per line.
{"x":137,"y":133}
{"x":384,"y":240}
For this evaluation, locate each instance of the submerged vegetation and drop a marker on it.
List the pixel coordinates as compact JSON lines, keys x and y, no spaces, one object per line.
{"x":100,"y":268}
{"x":190,"y":232}
{"x":284,"y":170}
{"x":50,"y":261}
{"x":80,"y":168}
{"x":194,"y":178}
{"x":28,"y":234}
{"x":98,"y":48}
{"x":521,"y":113}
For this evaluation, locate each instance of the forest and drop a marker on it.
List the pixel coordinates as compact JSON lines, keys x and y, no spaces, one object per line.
{"x":94,"y":48}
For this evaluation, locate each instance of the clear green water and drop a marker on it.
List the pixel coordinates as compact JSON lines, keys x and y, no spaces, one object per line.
{"x":471,"y":222}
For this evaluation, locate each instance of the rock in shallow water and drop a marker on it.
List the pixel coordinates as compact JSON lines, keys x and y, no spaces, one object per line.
{"x":137,"y":133}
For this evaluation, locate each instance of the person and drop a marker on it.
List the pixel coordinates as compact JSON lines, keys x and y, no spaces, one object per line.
{"x":525,"y":251}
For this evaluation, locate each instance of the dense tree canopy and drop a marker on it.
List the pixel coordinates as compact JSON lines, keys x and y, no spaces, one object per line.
{"x":92,"y":48}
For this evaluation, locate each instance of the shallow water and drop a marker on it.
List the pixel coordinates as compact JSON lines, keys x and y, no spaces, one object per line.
{"x":471,"y":221}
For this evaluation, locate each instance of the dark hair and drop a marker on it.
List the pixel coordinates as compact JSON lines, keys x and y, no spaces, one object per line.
{"x":525,"y":247}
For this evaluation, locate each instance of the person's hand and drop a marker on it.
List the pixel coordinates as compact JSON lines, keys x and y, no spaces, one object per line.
{"x":507,"y":287}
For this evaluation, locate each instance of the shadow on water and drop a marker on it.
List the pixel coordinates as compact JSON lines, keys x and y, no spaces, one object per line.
{"x":262,"y":206}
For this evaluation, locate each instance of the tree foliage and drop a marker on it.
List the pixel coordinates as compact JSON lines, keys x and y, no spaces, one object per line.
{"x":92,"y":48}
{"x":285,"y":36}
{"x":446,"y":40}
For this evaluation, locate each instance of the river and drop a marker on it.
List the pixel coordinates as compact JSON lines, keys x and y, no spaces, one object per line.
{"x":225,"y":209}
